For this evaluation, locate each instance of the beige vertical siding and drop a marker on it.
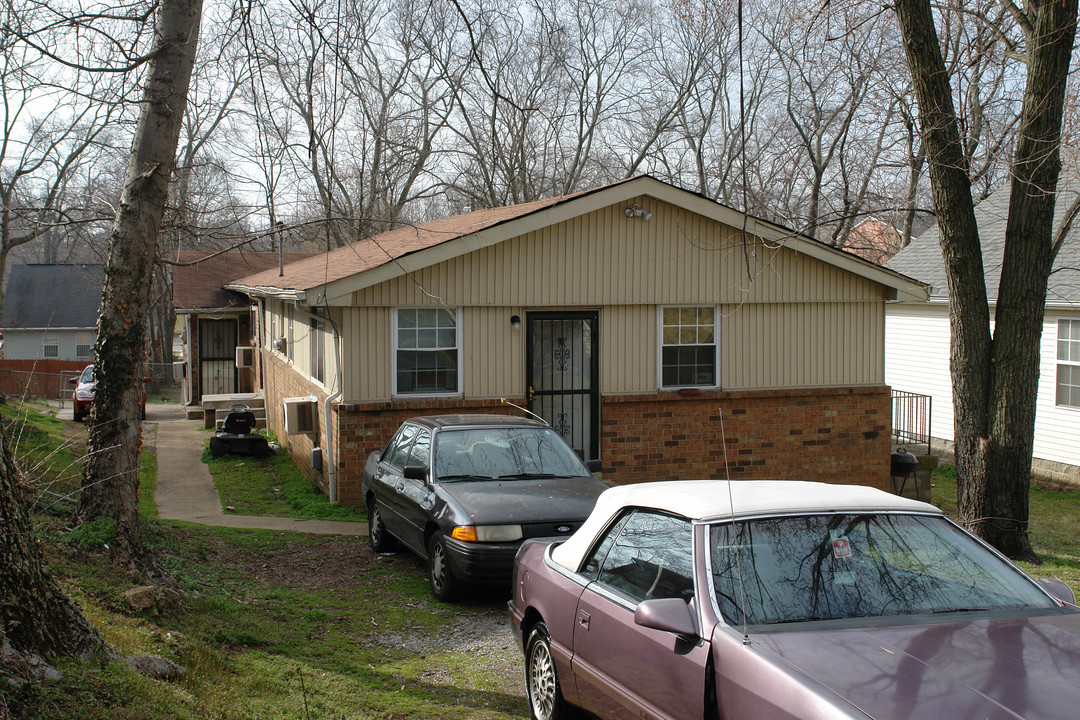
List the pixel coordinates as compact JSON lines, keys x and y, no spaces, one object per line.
{"x":802,"y":345}
{"x":494,"y":353}
{"x":787,"y":320}
{"x":628,"y":349}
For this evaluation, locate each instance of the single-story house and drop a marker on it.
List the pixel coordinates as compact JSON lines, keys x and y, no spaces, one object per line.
{"x":917,"y":338}
{"x":662,"y":333}
{"x":214,"y":321}
{"x":51,"y":312}
{"x":49,"y":326}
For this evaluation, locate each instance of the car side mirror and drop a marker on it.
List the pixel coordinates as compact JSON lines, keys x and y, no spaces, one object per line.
{"x":667,"y":614}
{"x":1058,"y":589}
{"x":594,"y":466}
{"x":73,"y":381}
{"x":147,"y":379}
{"x":415,"y":472}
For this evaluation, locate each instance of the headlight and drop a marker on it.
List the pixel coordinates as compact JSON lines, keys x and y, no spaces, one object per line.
{"x":84,"y":395}
{"x":487,"y":533}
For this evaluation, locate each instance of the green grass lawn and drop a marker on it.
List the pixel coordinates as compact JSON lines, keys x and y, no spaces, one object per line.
{"x":272,"y":486}
{"x":271,"y":624}
{"x":1053,"y":520}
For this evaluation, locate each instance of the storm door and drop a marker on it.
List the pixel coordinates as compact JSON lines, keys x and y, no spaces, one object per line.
{"x":562,"y":373}
{"x":217,"y":357}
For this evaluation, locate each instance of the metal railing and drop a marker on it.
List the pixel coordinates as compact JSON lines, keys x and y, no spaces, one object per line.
{"x":911,"y":418}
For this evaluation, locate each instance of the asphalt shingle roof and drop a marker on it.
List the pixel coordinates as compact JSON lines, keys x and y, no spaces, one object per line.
{"x":199,"y":286}
{"x":53,"y":296}
{"x":922,"y":259}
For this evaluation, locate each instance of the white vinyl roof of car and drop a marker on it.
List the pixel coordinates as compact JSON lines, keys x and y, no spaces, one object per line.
{"x":721,"y":499}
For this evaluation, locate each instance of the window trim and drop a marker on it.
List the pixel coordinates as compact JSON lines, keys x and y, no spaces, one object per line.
{"x":84,"y":335}
{"x":1059,"y":363}
{"x":317,"y":350}
{"x":54,"y":336}
{"x":458,"y":347}
{"x":660,"y":348}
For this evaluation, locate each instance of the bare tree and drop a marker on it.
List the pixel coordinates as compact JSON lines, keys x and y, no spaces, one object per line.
{"x":995,"y":375}
{"x":56,"y":122}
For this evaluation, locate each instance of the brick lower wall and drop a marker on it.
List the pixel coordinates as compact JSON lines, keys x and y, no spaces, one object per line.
{"x":830,"y":434}
{"x":824,"y":434}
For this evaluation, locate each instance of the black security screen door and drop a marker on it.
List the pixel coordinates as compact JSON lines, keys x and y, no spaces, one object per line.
{"x":562,"y":373}
{"x":217,"y":357}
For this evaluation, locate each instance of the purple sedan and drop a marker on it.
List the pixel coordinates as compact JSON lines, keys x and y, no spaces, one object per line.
{"x":760,"y":600}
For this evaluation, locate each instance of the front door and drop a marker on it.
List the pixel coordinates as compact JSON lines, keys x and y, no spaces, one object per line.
{"x":217,"y":357}
{"x":562,"y":372}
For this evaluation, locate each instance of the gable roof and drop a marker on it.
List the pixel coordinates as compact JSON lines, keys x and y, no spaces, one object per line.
{"x":199,"y":285}
{"x":922,"y":259}
{"x":53,"y":296}
{"x":332,"y":277}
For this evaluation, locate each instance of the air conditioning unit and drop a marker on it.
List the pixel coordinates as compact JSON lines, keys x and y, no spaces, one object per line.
{"x":245,"y":357}
{"x":300,"y":415}
{"x":178,"y":371}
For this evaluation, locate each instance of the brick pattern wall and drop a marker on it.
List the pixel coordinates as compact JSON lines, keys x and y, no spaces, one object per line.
{"x":824,"y":434}
{"x":282,"y":382}
{"x":364,"y":427}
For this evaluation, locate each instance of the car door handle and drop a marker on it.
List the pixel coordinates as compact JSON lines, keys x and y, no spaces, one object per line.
{"x":583,"y":619}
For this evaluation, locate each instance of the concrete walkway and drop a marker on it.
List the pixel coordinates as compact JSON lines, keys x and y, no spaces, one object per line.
{"x":186,"y":492}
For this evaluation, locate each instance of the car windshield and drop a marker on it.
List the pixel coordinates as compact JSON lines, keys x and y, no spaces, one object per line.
{"x":87,"y":374}
{"x":504,"y":453}
{"x":825,"y":567}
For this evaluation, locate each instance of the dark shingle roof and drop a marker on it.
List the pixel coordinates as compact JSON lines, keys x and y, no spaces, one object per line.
{"x":200,"y":286}
{"x":922,"y":259}
{"x":53,"y":296}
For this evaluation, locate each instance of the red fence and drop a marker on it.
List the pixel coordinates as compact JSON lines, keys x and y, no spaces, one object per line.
{"x":39,"y":378}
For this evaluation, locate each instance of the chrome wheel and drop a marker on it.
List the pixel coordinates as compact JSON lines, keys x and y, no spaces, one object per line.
{"x":542,"y":678}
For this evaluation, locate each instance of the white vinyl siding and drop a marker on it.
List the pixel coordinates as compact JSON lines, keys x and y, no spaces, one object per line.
{"x":917,"y":360}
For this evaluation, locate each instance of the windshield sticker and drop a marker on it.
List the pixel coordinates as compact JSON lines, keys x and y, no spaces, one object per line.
{"x":841,"y":546}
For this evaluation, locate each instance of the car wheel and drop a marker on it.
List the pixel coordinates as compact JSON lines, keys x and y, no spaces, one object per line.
{"x":542,"y":679}
{"x":218,"y":447}
{"x":444,"y":586}
{"x":381,"y":540}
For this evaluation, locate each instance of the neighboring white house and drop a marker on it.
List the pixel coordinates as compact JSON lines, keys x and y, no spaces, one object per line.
{"x":51,"y":312}
{"x":917,"y":338}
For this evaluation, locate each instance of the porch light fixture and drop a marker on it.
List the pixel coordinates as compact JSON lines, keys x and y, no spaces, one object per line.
{"x":636,"y":210}
{"x":515,"y":322}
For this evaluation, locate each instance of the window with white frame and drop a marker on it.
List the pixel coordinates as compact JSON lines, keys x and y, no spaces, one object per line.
{"x":318,"y":350}
{"x":426,"y":351}
{"x":688,"y":347}
{"x":1068,"y":363}
{"x":50,"y":345}
{"x":84,"y":343}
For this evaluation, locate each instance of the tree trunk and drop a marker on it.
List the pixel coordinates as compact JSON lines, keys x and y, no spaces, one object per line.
{"x":36,"y":618}
{"x":995,"y":378}
{"x":111,"y":475}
